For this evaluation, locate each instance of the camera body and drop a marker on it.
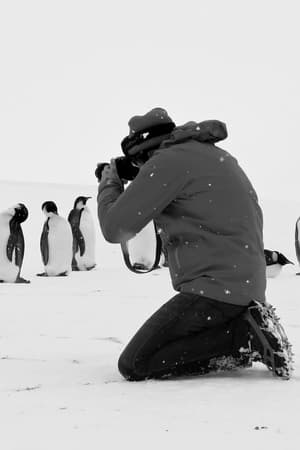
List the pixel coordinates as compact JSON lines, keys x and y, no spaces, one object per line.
{"x":126,"y":170}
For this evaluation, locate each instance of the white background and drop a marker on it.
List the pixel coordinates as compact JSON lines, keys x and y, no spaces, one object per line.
{"x":73,"y":73}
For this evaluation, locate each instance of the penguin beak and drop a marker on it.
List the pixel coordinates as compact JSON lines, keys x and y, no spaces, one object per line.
{"x":285,"y":261}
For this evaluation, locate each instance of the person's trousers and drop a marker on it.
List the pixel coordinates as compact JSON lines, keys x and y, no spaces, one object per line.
{"x":182,"y":336}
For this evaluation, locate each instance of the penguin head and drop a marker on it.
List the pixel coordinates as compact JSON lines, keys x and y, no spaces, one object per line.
{"x":271,"y":257}
{"x":49,"y":208}
{"x":274,"y":257}
{"x":80,"y":202}
{"x":20,"y":212}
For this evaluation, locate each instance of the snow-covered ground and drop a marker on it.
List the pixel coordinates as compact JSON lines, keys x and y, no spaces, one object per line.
{"x":60,"y":339}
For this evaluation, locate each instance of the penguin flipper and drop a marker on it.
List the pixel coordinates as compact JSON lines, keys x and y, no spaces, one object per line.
{"x":44,"y":245}
{"x":11,"y":243}
{"x":15,"y":244}
{"x":78,"y":239}
{"x":19,"y":249}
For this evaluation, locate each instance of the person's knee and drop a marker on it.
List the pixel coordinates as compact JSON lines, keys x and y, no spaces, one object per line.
{"x":128,"y":369}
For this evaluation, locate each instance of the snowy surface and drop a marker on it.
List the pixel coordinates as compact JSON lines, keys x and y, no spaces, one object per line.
{"x":60,"y":339}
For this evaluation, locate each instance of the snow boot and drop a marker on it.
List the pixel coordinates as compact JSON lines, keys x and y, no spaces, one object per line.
{"x":268,"y":341}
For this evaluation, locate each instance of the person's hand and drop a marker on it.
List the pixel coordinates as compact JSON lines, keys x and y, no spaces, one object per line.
{"x":110,"y":174}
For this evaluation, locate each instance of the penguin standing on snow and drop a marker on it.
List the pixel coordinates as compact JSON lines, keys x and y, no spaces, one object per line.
{"x":275,"y":261}
{"x":12,"y":244}
{"x":56,"y":243}
{"x":297,"y":242}
{"x":83,"y":230}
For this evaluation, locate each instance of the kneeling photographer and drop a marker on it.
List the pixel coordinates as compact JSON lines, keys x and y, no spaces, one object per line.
{"x":211,"y":227}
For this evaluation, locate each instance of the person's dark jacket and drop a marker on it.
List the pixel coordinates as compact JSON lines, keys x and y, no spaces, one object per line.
{"x":208,"y":211}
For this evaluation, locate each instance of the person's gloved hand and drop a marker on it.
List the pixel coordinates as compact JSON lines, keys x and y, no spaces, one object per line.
{"x":99,"y":169}
{"x":110,"y":175}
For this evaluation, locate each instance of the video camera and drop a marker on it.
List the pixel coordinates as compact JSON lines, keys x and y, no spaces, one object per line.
{"x":144,"y":140}
{"x":125,"y":168}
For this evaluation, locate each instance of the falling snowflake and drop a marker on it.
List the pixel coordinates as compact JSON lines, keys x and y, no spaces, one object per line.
{"x":227,"y":291}
{"x":201,"y":292}
{"x":222,"y":159}
{"x":208,"y":318}
{"x":151,"y":174}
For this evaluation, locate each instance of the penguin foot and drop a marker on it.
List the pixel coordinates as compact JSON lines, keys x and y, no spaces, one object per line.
{"x":298,"y":273}
{"x":22,"y":280}
{"x":43,"y":274}
{"x":63,"y":274}
{"x":91,"y":267}
{"x":75,"y":269}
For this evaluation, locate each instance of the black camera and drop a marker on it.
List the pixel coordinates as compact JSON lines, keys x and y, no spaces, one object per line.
{"x":125,"y":168}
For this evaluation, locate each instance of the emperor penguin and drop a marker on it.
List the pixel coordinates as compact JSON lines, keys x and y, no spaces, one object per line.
{"x":84,"y":239}
{"x":275,"y":262}
{"x":12,"y":244}
{"x":55,"y":243}
{"x":297,"y":242}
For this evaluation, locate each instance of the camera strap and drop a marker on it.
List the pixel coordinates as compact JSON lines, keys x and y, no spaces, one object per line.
{"x":135,"y":267}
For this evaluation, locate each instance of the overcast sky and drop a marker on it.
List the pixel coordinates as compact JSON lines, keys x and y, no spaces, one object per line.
{"x":73,"y":73}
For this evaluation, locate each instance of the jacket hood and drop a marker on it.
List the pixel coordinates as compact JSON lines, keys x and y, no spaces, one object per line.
{"x":208,"y":131}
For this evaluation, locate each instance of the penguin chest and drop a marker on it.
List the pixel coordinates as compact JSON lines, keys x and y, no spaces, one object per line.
{"x":4,"y":235}
{"x":60,"y":243}
{"x":273,"y":270}
{"x":87,"y":229}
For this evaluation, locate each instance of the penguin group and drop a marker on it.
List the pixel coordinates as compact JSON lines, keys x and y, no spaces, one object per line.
{"x":65,"y":244}
{"x":69,"y":244}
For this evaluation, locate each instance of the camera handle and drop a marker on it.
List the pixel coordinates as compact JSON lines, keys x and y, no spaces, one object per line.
{"x":125,"y":251}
